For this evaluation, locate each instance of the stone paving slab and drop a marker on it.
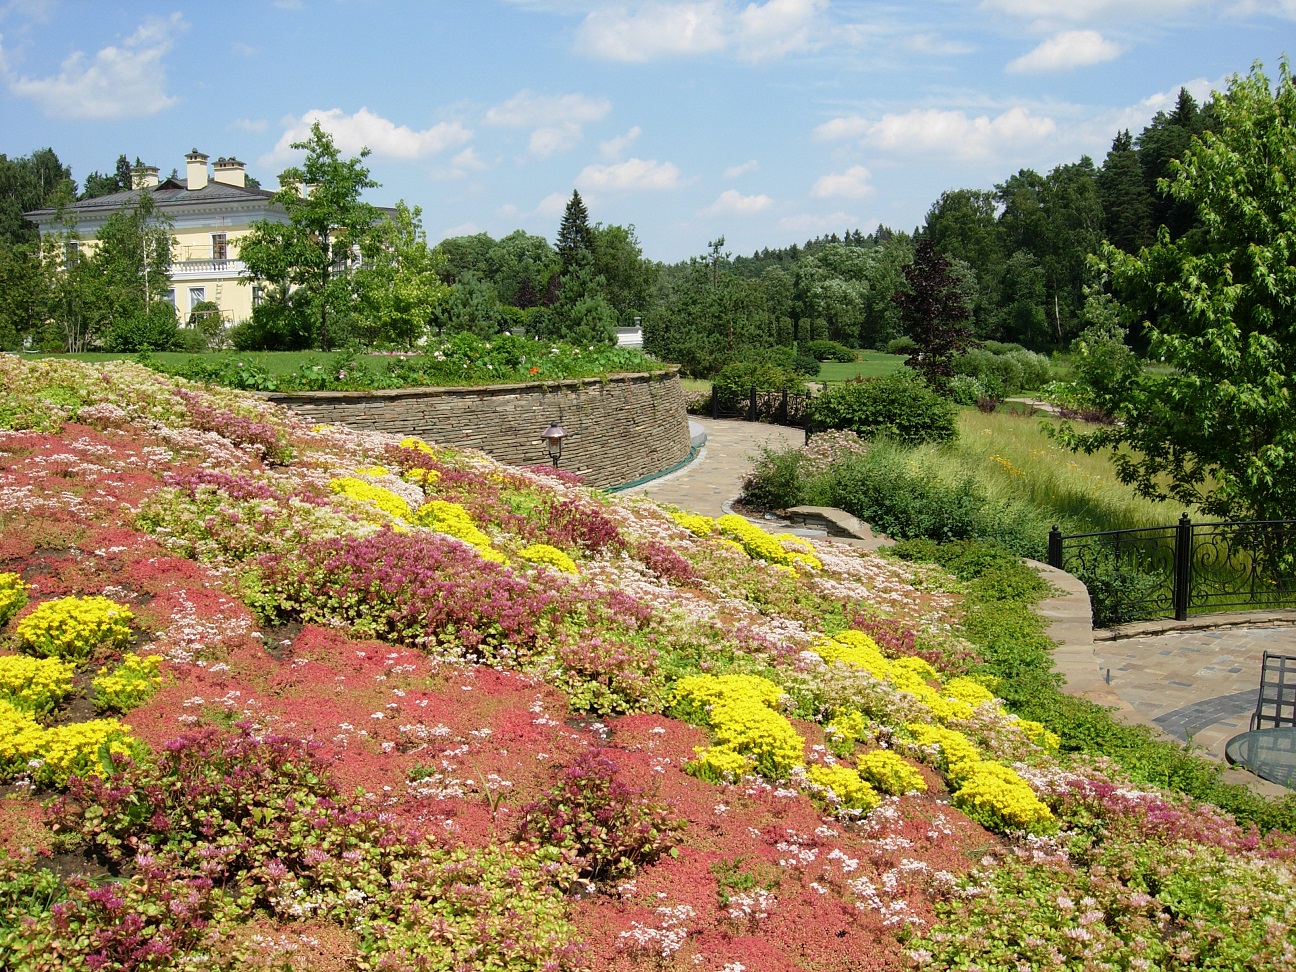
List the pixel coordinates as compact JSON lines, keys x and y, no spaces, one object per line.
{"x":712,"y":481}
{"x":1191,"y":681}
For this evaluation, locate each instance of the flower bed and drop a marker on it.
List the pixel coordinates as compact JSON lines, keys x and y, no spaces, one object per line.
{"x":390,"y":705}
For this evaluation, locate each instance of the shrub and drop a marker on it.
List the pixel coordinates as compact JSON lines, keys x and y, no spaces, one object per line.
{"x":13,"y":595}
{"x":895,"y":495}
{"x":35,"y":685}
{"x":764,"y":372}
{"x":898,"y":406}
{"x":602,"y":826}
{"x":72,"y":627}
{"x":829,"y":351}
{"x":901,"y":345}
{"x":129,"y":685}
{"x":775,"y":480}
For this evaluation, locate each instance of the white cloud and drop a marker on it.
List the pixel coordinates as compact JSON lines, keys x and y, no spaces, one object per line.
{"x":245,"y":50}
{"x":118,"y":82}
{"x":461,"y":166}
{"x":463,"y":229}
{"x":552,"y":205}
{"x":806,"y":223}
{"x":631,"y":174}
{"x":931,"y":131}
{"x":1069,"y":49}
{"x":734,"y":171}
{"x":37,"y":10}
{"x":771,"y":30}
{"x":647,"y":31}
{"x":1046,"y":12}
{"x":652,"y":30}
{"x":937,"y":45}
{"x":351,"y":133}
{"x":851,"y":184}
{"x":733,"y":203}
{"x":614,"y":148}
{"x":850,"y":126}
{"x":557,"y":120}
{"x":253,"y":126}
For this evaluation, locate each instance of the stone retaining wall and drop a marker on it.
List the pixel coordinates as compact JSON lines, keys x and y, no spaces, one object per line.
{"x":620,"y":428}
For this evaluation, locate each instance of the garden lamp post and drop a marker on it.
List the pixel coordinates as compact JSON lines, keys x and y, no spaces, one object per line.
{"x":553,"y":439}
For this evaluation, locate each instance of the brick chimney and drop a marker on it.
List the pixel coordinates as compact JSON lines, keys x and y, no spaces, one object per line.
{"x":144,"y":177}
{"x":196,"y":170}
{"x":230,"y":172}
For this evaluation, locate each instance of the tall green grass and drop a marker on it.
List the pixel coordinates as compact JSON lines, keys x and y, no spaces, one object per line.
{"x":1012,"y":456}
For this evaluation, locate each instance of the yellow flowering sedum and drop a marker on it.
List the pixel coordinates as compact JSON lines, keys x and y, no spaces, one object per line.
{"x":699,"y":526}
{"x":54,"y":755}
{"x":34,"y":684}
{"x":739,"y":709}
{"x":890,"y":773}
{"x":1037,"y":733}
{"x":542,"y":553}
{"x":958,"y":755}
{"x":372,"y":472}
{"x":967,"y":690}
{"x":451,"y":518}
{"x":13,"y":595}
{"x":424,"y":477}
{"x":72,"y":627}
{"x":853,"y":792}
{"x":998,"y":799}
{"x":417,"y":444}
{"x":366,"y":492}
{"x":719,"y":765}
{"x":133,"y":683}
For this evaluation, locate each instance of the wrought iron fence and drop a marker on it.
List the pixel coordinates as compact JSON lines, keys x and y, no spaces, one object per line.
{"x":1188,"y":568}
{"x":773,"y":407}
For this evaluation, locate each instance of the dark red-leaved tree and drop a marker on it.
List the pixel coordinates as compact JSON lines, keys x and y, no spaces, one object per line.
{"x":934,"y":313}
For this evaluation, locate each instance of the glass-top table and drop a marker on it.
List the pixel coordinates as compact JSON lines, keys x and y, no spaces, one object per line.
{"x":1268,"y":753}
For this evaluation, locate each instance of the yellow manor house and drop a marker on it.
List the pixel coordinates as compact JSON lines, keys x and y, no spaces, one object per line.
{"x":209,"y":213}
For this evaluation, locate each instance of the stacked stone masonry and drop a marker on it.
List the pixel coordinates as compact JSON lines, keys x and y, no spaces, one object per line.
{"x":620,"y":428}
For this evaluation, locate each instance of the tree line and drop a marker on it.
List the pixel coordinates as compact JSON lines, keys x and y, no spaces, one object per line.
{"x":342,"y":272}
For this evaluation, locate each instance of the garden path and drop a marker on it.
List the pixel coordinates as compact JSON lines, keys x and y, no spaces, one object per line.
{"x":1193,"y":681}
{"x":712,"y":481}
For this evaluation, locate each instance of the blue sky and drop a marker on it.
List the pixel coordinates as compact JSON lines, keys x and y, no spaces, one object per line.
{"x":768,"y":121}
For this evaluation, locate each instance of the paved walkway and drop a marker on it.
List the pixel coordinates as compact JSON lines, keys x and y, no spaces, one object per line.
{"x":1192,"y":681}
{"x":714,"y":479}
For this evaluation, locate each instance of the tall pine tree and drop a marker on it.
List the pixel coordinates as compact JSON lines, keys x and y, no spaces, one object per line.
{"x":1126,"y":202}
{"x":575,"y":238}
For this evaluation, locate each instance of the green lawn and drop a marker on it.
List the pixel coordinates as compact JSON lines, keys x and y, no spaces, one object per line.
{"x":871,"y":364}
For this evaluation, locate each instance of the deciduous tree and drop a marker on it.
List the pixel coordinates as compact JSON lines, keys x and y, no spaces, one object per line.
{"x":1218,"y":430}
{"x":308,"y":265}
{"x":934,"y":312}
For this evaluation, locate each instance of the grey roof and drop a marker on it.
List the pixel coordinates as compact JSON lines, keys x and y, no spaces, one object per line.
{"x":168,"y":194}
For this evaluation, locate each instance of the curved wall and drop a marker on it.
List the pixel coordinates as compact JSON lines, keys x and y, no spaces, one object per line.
{"x":620,"y":428}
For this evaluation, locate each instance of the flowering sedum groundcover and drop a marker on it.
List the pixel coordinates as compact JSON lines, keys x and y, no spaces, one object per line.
{"x":275,"y":696}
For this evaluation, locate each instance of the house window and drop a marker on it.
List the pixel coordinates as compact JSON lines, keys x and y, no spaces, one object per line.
{"x":220,"y":248}
{"x":170,"y":297}
{"x":258,"y":296}
{"x":196,"y":296}
{"x":70,"y":250}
